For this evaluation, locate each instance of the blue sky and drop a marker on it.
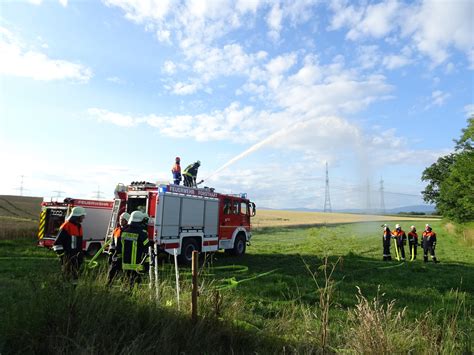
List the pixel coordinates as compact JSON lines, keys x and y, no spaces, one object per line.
{"x":94,"y":93}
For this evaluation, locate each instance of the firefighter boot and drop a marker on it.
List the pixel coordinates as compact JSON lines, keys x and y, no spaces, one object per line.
{"x":425,"y":258}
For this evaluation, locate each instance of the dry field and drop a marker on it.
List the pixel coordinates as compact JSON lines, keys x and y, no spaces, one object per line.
{"x":278,"y":218}
{"x":19,"y":216}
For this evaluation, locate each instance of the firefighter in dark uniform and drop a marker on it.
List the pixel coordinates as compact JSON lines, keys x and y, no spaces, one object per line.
{"x":429,"y":244}
{"x":386,"y":239}
{"x":116,"y":248}
{"x":135,"y":245}
{"x":68,"y":244}
{"x":400,"y":240}
{"x":413,"y":242}
{"x":176,"y":171}
{"x":190,"y":174}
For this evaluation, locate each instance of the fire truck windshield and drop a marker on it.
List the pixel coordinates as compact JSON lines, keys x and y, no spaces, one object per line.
{"x":136,"y":203}
{"x":54,"y":219}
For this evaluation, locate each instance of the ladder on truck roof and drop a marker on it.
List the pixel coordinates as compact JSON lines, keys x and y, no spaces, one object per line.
{"x":113,"y":220}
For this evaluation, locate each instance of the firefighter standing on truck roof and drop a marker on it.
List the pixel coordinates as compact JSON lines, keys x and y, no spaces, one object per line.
{"x":135,"y":245}
{"x":116,"y":248}
{"x":412,"y":242}
{"x":429,"y":244}
{"x":190,"y":174}
{"x":176,"y":171}
{"x":386,"y":243}
{"x":400,"y":239}
{"x":68,"y":243}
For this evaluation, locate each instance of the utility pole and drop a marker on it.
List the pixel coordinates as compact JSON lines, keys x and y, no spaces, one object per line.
{"x":98,"y":193}
{"x":21,"y":185}
{"x":382,"y":200}
{"x":327,"y":200}
{"x":58,"y":193}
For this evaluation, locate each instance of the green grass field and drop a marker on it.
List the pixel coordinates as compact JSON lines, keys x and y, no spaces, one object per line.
{"x":273,"y":307}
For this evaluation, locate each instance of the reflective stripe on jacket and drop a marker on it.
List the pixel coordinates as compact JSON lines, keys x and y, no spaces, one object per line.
{"x":69,"y":237}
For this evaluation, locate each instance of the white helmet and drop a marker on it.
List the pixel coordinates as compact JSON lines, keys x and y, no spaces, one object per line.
{"x":412,"y":227}
{"x":77,"y":212}
{"x":125,"y":216}
{"x":427,"y":226}
{"x":136,"y":216}
{"x":397,"y":226}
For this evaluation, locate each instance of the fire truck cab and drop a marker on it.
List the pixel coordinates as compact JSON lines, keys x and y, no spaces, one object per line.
{"x":187,"y":219}
{"x":53,"y":215}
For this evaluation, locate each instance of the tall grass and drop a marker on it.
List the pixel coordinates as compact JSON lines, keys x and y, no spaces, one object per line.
{"x":376,"y":327}
{"x":50,"y":316}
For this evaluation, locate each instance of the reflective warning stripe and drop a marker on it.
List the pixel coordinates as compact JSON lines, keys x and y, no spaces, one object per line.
{"x":42,"y":224}
{"x":133,"y":237}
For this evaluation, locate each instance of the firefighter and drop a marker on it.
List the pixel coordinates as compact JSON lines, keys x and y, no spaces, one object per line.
{"x":429,"y":244}
{"x":413,"y":242}
{"x":386,"y":243}
{"x":68,"y":244}
{"x":401,"y":240}
{"x":176,"y":171}
{"x":190,"y":174}
{"x":135,"y":245}
{"x":116,"y":248}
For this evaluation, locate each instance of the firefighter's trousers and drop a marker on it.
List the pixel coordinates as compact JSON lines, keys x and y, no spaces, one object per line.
{"x":189,"y":181}
{"x":70,"y":264}
{"x":413,"y":246}
{"x":429,"y":248}
{"x":114,"y":269}
{"x":386,"y":248}
{"x":401,"y":248}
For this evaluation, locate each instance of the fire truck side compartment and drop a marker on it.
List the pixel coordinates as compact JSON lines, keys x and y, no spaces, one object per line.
{"x":178,"y":213}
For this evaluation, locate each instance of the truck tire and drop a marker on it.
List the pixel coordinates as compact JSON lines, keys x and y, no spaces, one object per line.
{"x":93,"y":249}
{"x":240,"y":245}
{"x":187,"y":248}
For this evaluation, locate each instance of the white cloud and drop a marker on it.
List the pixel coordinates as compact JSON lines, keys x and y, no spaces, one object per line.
{"x":112,"y":117}
{"x":438,"y":98}
{"x":63,"y":2}
{"x":115,"y":80}
{"x":433,"y":27}
{"x":437,"y":26}
{"x":377,"y":20}
{"x":169,"y":67}
{"x":469,"y":110}
{"x":163,"y":36}
{"x":142,"y":10}
{"x":395,"y":61}
{"x":274,"y":20}
{"x":18,"y":60}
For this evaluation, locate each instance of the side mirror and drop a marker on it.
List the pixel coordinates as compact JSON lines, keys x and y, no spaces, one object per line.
{"x":253,"y":208}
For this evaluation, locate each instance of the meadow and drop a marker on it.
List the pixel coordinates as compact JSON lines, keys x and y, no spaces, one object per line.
{"x":320,"y":289}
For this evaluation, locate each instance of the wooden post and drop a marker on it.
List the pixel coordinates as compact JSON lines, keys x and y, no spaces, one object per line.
{"x":194,"y":305}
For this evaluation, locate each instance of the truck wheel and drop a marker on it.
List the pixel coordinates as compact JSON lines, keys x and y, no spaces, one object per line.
{"x":239,"y":245}
{"x":189,"y":245}
{"x":93,"y":249}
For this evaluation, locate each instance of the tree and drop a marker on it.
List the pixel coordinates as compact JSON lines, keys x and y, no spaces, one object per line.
{"x":456,"y":198}
{"x":436,"y":174}
{"x":451,"y":179}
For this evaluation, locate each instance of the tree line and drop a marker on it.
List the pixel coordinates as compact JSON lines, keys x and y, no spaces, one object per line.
{"x":451,"y":179}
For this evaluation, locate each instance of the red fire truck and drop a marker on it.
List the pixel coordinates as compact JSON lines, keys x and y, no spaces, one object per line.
{"x":53,"y":214}
{"x":188,"y":219}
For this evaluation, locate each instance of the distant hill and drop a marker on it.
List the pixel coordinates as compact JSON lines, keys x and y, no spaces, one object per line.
{"x":428,"y":209}
{"x":20,"y":206}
